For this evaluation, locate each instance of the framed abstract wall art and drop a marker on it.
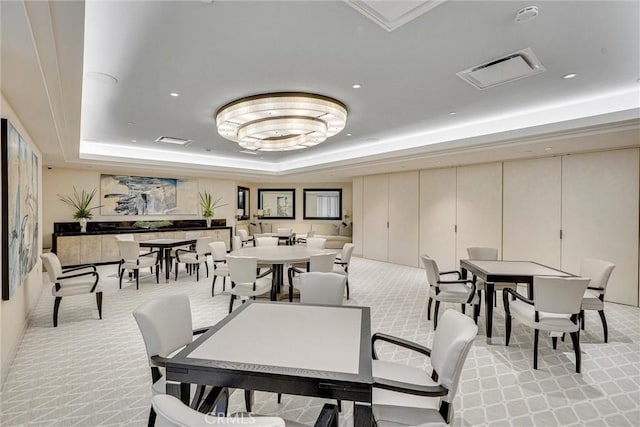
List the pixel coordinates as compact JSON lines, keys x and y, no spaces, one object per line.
{"x":143,"y":195}
{"x":20,"y":170}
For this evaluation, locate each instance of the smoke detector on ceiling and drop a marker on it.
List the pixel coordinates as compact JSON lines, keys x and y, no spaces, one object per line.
{"x":527,"y":14}
{"x":514,"y":66}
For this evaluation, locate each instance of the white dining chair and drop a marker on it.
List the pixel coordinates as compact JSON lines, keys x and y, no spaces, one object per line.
{"x":220,"y":269}
{"x":245,"y":282}
{"x":319,"y":263}
{"x":599,"y":271}
{"x":194,"y":258}
{"x":131,"y":259}
{"x":321,"y":288}
{"x":343,"y":261}
{"x":266,"y":241}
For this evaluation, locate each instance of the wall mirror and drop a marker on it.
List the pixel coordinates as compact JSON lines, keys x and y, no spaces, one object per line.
{"x":277,"y":203}
{"x":322,"y":203}
{"x":243,"y":203}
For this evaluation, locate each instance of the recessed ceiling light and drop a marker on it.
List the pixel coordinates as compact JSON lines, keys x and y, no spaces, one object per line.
{"x":547,"y":148}
{"x":174,"y":94}
{"x":348,"y":134}
{"x":131,"y":123}
{"x":372,"y":139}
{"x":134,"y":140}
{"x":569,"y":76}
{"x":452,"y":113}
{"x":356,"y":86}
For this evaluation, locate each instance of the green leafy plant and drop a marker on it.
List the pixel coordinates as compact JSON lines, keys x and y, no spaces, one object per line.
{"x":208,"y":205}
{"x":80,"y":202}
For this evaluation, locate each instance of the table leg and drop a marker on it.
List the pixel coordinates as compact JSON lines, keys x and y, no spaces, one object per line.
{"x":167,"y":263}
{"x":488,"y":306}
{"x":530,"y":289}
{"x":362,"y":414}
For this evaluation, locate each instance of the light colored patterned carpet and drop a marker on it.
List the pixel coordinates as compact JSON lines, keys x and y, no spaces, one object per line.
{"x":90,"y":372}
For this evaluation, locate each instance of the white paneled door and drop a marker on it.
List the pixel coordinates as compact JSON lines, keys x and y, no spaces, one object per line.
{"x":600,"y":216}
{"x":479,"y":207}
{"x":438,"y":216}
{"x":531,"y":210}
{"x":403,"y":218}
{"x":375,"y":238}
{"x":357,"y":215}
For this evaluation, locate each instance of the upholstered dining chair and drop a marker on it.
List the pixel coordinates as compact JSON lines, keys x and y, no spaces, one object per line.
{"x":343,"y":260}
{"x":408,"y":396}
{"x":236,"y":243}
{"x":71,"y":281}
{"x":220,"y":268}
{"x":316,"y":242}
{"x":193,"y":259}
{"x":266,"y":241}
{"x":449,"y":291}
{"x":599,"y":271}
{"x":322,"y":288}
{"x":303,"y":239}
{"x":173,"y":413}
{"x":132,"y":260}
{"x":166,"y":327}
{"x":244,"y":237}
{"x":555,"y":308}
{"x":320,"y":263}
{"x":488,"y":254}
{"x":245,"y":282}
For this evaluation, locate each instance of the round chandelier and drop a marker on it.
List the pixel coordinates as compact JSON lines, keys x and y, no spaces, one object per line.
{"x":281,"y":121}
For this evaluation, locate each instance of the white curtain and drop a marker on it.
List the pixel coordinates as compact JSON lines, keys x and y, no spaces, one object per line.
{"x":328,"y":206}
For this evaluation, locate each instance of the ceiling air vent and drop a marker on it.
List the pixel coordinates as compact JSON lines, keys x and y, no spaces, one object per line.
{"x":172,"y":140}
{"x":502,"y":70}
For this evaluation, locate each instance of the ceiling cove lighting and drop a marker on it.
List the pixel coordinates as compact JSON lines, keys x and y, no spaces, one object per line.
{"x":281,"y":121}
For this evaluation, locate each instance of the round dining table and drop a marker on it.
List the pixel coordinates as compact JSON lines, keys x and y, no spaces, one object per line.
{"x":278,"y":256}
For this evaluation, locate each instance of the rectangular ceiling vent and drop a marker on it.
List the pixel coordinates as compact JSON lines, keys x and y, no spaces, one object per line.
{"x":502,"y":70}
{"x":173,"y":140}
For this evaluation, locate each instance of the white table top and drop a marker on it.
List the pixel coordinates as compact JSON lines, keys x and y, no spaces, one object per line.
{"x":510,"y":268}
{"x":280,"y":254}
{"x":320,"y":338}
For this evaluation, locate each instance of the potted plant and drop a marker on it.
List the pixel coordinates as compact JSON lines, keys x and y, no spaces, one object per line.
{"x":80,"y":202}
{"x":208,"y":206}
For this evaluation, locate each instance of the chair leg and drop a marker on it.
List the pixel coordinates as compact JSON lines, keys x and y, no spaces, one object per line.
{"x":157,"y":275}
{"x":507,"y":322}
{"x":582,"y":319}
{"x":476,"y":313}
{"x":575,"y":338}
{"x":99,"y":302}
{"x":248,"y":399}
{"x":463,"y":309}
{"x":435,"y":315}
{"x":224,"y":283}
{"x":429,"y":308}
{"x":176,"y":272}
{"x":56,"y":307}
{"x":347,"y":285}
{"x":207,"y":267}
{"x":604,"y":325}
{"x":339,"y":405}
{"x":554,"y":340}
{"x":213,"y":284}
{"x":536,"y":335}
{"x":279,"y":398}
{"x":152,"y":417}
{"x":233,"y":297}
{"x":198,"y":273}
{"x":121,"y":274}
{"x":137,"y":273}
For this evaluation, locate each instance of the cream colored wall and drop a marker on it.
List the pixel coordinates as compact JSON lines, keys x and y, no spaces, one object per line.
{"x":14,"y":313}
{"x":61,"y":181}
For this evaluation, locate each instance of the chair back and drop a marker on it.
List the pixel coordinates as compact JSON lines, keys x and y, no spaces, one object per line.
{"x":284,"y":232}
{"x":165,"y":324}
{"x":218,"y":251}
{"x":236,"y":243}
{"x":124,"y":237}
{"x":322,"y":288}
{"x":266,"y":241}
{"x":171,"y":412}
{"x":202,"y":245}
{"x":322,"y":263}
{"x":242,"y":270}
{"x":451,"y":344}
{"x":347,"y":251}
{"x":599,"y":271}
{"x":561,"y":295}
{"x":52,"y":265}
{"x":484,"y":254}
{"x":431,"y":267}
{"x":311,"y":233}
{"x":244,"y":236}
{"x":316,"y":242}
{"x":129,"y":250}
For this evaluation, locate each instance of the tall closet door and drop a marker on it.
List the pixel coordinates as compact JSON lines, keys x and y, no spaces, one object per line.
{"x":403,"y":218}
{"x":438,"y":216}
{"x":600,"y":216}
{"x":531,"y":211}
{"x":479,"y":207}
{"x":357,"y":215}
{"x":375,"y":237}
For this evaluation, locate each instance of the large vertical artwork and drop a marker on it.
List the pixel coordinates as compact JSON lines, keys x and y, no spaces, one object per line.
{"x":142,"y":195}
{"x":20,"y":228}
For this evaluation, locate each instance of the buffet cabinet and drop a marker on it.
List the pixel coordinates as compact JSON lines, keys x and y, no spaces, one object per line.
{"x":101,"y":247}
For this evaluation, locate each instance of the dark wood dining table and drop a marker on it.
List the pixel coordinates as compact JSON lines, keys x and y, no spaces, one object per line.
{"x":324,"y":351}
{"x":492,"y":272}
{"x":165,"y":246}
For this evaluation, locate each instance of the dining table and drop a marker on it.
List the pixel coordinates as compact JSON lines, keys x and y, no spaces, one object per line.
{"x":165,"y":246}
{"x":322,"y":351}
{"x":492,"y":272}
{"x":278,"y":257}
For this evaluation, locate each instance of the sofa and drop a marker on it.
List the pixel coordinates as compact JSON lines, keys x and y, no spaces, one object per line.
{"x":337,"y":234}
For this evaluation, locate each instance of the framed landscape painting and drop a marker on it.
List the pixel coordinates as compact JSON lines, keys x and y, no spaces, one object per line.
{"x":20,"y":229}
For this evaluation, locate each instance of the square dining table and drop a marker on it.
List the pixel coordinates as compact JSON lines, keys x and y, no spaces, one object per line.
{"x":300,"y":349}
{"x":492,"y":272}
